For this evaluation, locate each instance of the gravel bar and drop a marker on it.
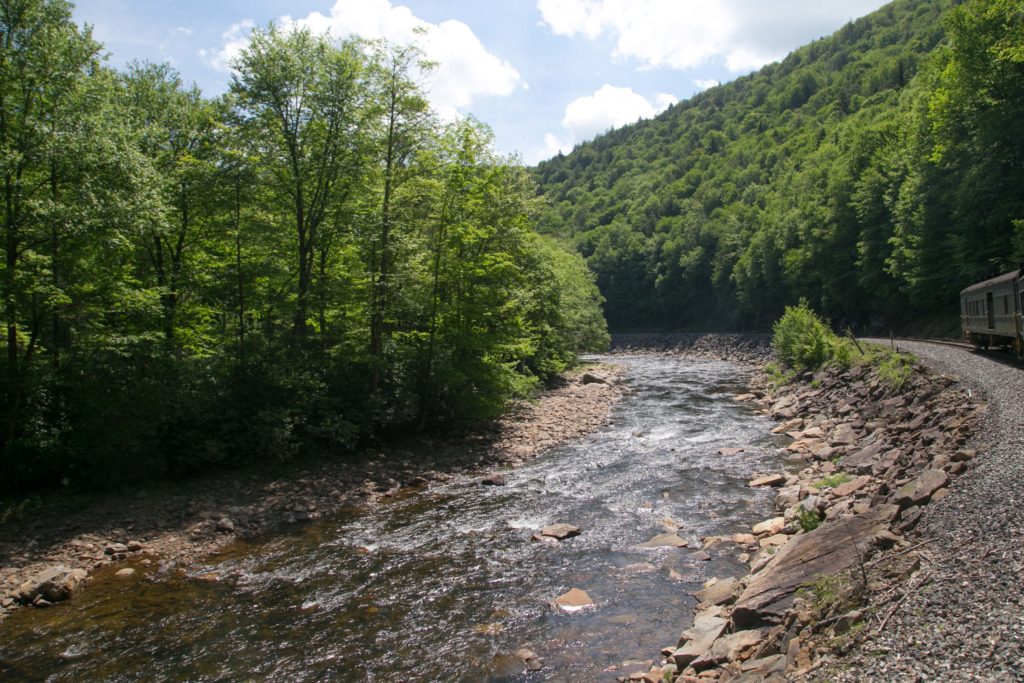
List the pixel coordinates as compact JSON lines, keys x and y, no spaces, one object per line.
{"x":966,"y":623}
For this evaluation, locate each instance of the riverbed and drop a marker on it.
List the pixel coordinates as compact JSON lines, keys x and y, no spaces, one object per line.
{"x":444,"y":582}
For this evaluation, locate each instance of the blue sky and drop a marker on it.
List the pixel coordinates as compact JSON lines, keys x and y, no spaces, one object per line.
{"x":544,"y":74}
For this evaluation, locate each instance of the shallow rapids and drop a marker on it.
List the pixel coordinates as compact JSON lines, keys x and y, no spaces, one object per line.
{"x":444,"y":584}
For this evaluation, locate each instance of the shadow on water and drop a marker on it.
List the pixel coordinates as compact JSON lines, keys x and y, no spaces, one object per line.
{"x":445,"y":584}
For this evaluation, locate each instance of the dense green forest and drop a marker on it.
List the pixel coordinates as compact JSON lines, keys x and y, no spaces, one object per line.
{"x":875,"y":172}
{"x":303,"y":263}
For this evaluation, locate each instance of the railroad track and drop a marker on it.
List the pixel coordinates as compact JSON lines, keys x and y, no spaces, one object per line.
{"x":945,"y":342}
{"x":1002,"y":355}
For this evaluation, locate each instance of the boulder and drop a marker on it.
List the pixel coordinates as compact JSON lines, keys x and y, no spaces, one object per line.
{"x":769,"y":527}
{"x":788,"y":496}
{"x":573,"y":601}
{"x":843,"y":435}
{"x":774,"y":541}
{"x":125,"y":573}
{"x":861,"y":461}
{"x":560,"y":531}
{"x":829,"y":549}
{"x":52,"y":584}
{"x":730,"y":648}
{"x":731,"y":451}
{"x":496,"y":479}
{"x":591,"y":378}
{"x":698,"y":639}
{"x":665,"y":541}
{"x":720,"y":592}
{"x":768,"y":480}
{"x":920,"y":490}
{"x":851,"y":487}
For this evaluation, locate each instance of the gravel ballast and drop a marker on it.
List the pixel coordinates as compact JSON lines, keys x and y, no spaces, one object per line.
{"x":966,"y":620}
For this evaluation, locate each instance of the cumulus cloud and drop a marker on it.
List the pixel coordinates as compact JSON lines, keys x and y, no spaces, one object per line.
{"x":705,"y":83}
{"x":465,"y":68}
{"x":609,"y":107}
{"x":235,"y":39}
{"x":681,"y":34}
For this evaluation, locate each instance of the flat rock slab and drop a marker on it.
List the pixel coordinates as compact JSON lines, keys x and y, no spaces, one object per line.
{"x":719,"y":593}
{"x":861,"y":461}
{"x":774,"y":541}
{"x":851,"y":487}
{"x":698,"y":639}
{"x":730,"y":451}
{"x":560,"y":531}
{"x":829,"y":549}
{"x":843,"y":435}
{"x":770,"y":527}
{"x":665,"y":541}
{"x":573,"y":601}
{"x":743,"y":539}
{"x":768,"y":480}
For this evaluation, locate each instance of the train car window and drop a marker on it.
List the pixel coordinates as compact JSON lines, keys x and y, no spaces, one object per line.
{"x":1006,"y":305}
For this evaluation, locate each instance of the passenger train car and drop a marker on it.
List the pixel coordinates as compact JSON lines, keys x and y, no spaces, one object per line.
{"x":990,"y":312}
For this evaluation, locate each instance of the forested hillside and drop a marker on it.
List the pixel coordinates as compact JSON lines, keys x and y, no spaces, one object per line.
{"x":307,"y":261}
{"x":875,"y":172}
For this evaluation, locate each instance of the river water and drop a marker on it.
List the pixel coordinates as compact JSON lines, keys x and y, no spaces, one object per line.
{"x":444,"y":584}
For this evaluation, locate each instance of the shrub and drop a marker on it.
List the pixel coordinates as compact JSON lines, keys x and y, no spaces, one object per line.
{"x":802,"y":339}
{"x":809,"y":520}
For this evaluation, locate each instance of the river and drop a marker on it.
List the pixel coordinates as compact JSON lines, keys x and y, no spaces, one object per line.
{"x":444,"y":583}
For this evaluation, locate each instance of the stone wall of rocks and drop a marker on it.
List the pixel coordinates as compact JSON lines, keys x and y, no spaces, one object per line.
{"x":873,"y":455}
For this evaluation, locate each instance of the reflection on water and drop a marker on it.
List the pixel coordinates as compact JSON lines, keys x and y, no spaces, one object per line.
{"x":445,"y":584}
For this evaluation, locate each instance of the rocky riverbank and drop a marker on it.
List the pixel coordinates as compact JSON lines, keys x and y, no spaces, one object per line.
{"x":49,"y":550}
{"x":748,"y":347}
{"x":839,"y":559}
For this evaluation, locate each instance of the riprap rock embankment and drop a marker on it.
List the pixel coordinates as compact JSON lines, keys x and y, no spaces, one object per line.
{"x":840,"y":556}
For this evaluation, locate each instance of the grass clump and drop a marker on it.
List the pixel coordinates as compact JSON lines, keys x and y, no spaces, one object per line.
{"x":833,"y":480}
{"x":832,"y":594}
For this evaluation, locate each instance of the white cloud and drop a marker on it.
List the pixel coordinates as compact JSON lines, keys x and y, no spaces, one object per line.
{"x":681,"y":34}
{"x":609,"y":107}
{"x":465,"y":68}
{"x":235,"y":40}
{"x":705,"y":83}
{"x":552,"y":145}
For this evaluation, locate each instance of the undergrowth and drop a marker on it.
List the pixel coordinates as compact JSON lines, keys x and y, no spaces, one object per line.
{"x":805,"y":342}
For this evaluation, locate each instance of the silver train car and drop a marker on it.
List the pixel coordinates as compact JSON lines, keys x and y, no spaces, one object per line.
{"x":990,"y":312}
